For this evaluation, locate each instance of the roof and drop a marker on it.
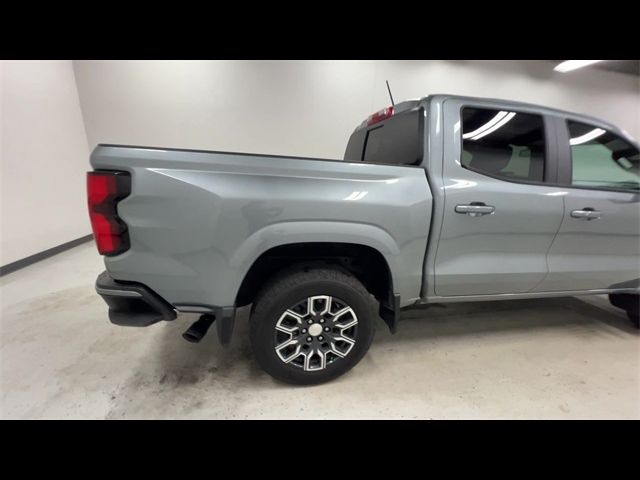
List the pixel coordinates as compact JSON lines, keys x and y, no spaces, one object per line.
{"x":541,"y":109}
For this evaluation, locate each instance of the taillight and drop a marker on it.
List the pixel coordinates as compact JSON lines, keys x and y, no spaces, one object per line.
{"x":104,"y":190}
{"x":380,"y":115}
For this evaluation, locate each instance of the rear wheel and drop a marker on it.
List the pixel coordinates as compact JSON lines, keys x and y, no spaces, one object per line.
{"x":311,"y":325}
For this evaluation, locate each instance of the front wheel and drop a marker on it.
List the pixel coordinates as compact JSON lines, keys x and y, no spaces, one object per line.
{"x":311,"y":325}
{"x":629,"y":302}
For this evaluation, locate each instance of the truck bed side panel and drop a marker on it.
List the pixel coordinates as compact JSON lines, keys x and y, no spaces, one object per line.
{"x":198,"y":220}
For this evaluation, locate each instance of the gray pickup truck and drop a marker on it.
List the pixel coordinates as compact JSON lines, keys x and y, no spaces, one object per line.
{"x":442,"y":199}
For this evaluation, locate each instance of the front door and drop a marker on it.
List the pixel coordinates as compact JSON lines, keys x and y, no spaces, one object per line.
{"x":598,"y":245}
{"x":500,"y":217}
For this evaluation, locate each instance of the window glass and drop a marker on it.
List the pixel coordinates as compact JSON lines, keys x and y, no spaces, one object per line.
{"x":396,"y":140}
{"x":601,"y":159}
{"x":355,"y":146}
{"x":503,"y":143}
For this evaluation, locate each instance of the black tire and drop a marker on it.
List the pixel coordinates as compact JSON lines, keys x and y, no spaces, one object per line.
{"x":629,"y":302}
{"x":293,"y":286}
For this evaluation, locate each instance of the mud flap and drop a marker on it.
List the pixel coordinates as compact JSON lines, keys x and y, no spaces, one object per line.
{"x":225,"y":320}
{"x":391,"y":314}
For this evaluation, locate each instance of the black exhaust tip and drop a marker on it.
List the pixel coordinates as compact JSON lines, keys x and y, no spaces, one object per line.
{"x":199,"y":329}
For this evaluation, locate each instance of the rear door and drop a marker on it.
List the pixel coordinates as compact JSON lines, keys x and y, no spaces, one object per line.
{"x":500,"y":213}
{"x":598,"y":245}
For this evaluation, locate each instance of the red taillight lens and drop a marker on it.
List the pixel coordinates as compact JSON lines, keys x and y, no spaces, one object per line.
{"x":104,"y":191}
{"x":380,"y":115}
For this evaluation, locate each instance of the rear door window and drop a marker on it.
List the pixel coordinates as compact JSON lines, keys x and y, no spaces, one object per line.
{"x":504,"y":144}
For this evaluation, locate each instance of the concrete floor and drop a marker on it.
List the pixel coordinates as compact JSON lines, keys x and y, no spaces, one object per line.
{"x":553,"y":358}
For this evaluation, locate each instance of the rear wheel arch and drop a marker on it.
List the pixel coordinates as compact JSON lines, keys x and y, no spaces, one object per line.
{"x":365,"y":263}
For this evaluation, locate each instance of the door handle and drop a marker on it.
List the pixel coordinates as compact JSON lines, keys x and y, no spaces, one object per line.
{"x":476,"y":209}
{"x":586,"y":214}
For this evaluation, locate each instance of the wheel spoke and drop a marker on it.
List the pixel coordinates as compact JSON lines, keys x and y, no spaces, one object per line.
{"x":286,"y":343}
{"x":291,"y":356}
{"x":288,"y":315}
{"x":336,"y":351}
{"x":312,"y":354}
{"x":346,"y":339}
{"x":283,"y":329}
{"x":340,"y":312}
{"x":294,"y":355}
{"x":293,"y":314}
{"x":349,"y":324}
{"x":344,"y":351}
{"x":325,"y":309}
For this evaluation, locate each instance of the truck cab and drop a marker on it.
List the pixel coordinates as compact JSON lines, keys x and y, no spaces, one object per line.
{"x":528,"y":200}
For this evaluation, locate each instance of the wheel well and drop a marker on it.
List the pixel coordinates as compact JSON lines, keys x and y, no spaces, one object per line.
{"x":365,"y":263}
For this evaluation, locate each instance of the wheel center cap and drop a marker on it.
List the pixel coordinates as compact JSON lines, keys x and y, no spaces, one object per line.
{"x":315,"y":329}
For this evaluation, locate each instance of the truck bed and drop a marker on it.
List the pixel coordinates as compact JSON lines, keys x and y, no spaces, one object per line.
{"x":197,"y":220}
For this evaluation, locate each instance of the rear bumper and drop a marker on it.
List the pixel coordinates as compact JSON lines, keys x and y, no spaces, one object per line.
{"x":132,"y":304}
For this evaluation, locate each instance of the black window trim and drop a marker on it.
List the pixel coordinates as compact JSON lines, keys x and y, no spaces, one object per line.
{"x":564,"y":150}
{"x":366,"y":141}
{"x":550,"y":175}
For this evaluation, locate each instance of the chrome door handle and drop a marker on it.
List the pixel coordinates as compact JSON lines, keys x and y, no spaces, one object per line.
{"x":586,"y":214}
{"x":476,"y":210}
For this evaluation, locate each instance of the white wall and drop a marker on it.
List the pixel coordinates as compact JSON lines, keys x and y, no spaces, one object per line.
{"x":310,"y":108}
{"x":306,"y":108}
{"x":43,"y":158}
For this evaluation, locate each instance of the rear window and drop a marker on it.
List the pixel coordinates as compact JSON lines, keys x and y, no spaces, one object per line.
{"x":396,"y":140}
{"x":355,"y":146}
